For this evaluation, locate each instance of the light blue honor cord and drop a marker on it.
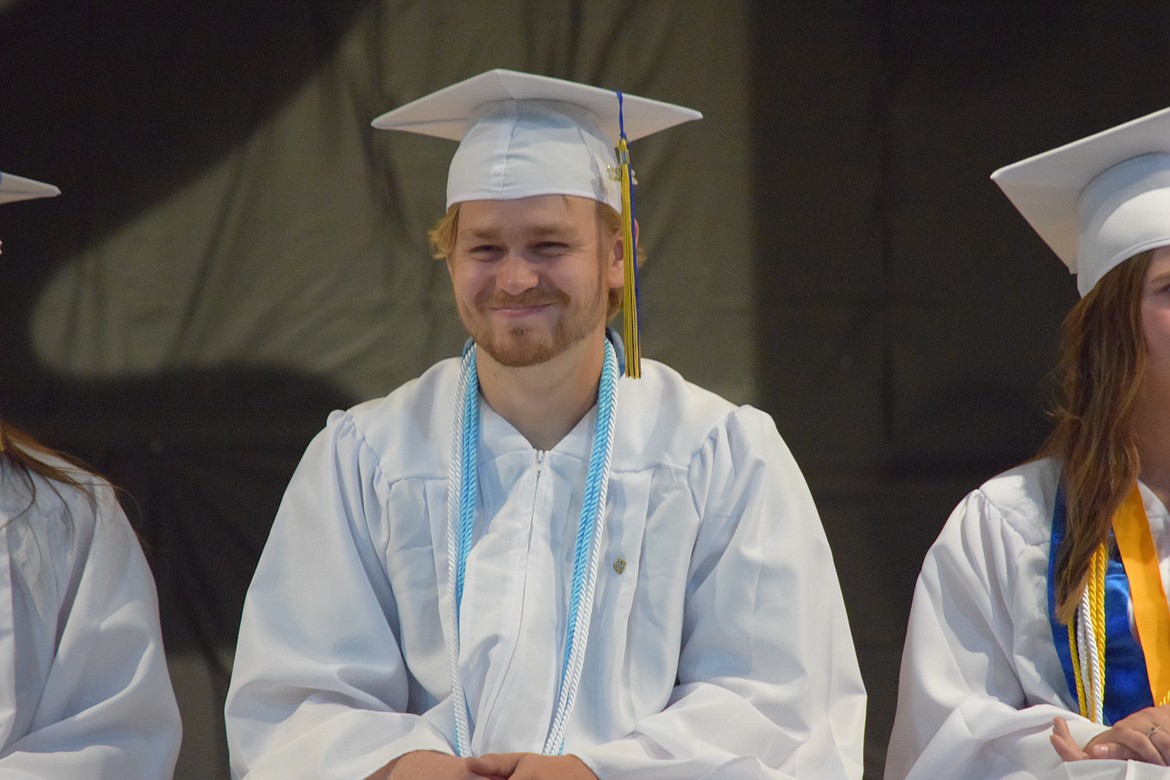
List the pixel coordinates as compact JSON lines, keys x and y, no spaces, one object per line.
{"x":461,"y":518}
{"x":460,"y":491}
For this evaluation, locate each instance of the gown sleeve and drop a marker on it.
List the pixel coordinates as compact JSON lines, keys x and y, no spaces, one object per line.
{"x":963,"y":710}
{"x":107,"y":709}
{"x":768,"y":682}
{"x":321,"y":690}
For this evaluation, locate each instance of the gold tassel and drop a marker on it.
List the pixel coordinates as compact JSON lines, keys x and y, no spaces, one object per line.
{"x":630,"y":255}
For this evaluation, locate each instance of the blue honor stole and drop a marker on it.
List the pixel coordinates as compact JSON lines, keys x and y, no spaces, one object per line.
{"x":1127,"y":684}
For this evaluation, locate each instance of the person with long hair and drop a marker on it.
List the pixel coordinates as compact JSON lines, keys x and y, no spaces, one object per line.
{"x":84,"y":689}
{"x":1039,"y":638}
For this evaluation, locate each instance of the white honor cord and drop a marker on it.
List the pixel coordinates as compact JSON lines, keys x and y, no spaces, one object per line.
{"x":597,"y":482}
{"x":461,"y":492}
{"x":1090,"y":661}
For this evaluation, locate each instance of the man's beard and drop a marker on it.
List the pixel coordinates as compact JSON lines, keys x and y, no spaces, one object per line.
{"x":519,"y":346}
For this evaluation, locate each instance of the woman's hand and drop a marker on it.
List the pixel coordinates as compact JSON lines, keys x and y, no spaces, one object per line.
{"x":1142,"y":736}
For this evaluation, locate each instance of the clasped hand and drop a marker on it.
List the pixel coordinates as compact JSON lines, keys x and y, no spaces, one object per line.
{"x":429,"y":765}
{"x":1142,"y":736}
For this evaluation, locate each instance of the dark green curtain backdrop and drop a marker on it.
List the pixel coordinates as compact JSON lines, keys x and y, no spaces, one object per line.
{"x":907,"y":316}
{"x":236,"y":252}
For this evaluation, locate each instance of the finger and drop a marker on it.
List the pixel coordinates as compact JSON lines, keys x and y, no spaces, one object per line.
{"x":1143,"y":743}
{"x":1062,"y":741}
{"x":1114,"y":750}
{"x":473,"y":774}
{"x":1127,"y":744}
{"x":1160,"y":739}
{"x":1066,"y":751}
{"x":501,"y":764}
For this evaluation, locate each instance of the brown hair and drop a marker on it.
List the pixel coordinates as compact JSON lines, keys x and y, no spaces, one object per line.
{"x":1103,"y":358}
{"x":28,"y":456}
{"x":443,"y":235}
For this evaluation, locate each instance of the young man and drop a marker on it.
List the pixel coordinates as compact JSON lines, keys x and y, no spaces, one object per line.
{"x":521,"y":565}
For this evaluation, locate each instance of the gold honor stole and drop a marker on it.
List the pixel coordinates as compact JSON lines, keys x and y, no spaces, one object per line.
{"x":1151,"y":613}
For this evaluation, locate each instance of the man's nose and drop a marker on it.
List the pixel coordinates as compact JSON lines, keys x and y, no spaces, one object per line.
{"x":515,"y":274}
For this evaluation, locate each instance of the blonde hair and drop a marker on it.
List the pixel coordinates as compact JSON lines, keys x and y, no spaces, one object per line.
{"x":1103,"y":359}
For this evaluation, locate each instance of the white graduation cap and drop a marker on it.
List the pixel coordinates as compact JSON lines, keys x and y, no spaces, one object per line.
{"x":1100,"y":200}
{"x":14,"y":188}
{"x":522,"y":135}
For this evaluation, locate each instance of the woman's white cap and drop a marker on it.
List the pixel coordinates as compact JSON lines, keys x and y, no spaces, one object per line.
{"x":1100,"y":200}
{"x":522,"y":135}
{"x":14,"y":188}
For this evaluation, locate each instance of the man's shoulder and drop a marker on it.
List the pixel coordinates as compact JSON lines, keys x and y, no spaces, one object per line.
{"x":414,"y":416}
{"x":664,"y":417}
{"x":672,"y":388}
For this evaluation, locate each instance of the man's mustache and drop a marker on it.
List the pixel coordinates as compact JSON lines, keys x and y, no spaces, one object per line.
{"x":525,"y":299}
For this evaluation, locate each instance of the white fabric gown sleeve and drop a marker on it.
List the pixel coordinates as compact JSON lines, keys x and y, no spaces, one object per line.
{"x":107,"y":710}
{"x":319,"y":687}
{"x":963,"y":712}
{"x":768,"y":682}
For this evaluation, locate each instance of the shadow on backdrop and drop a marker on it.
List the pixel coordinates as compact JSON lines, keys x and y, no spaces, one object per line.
{"x":143,"y":97}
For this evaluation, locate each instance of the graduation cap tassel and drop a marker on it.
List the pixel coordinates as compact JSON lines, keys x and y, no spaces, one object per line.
{"x":630,"y":255}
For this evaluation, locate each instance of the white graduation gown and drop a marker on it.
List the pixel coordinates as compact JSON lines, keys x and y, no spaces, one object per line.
{"x":84,"y":690}
{"x":719,"y":645}
{"x":981,"y":681}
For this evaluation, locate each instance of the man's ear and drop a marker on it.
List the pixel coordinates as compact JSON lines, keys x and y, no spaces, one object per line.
{"x":617,"y":272}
